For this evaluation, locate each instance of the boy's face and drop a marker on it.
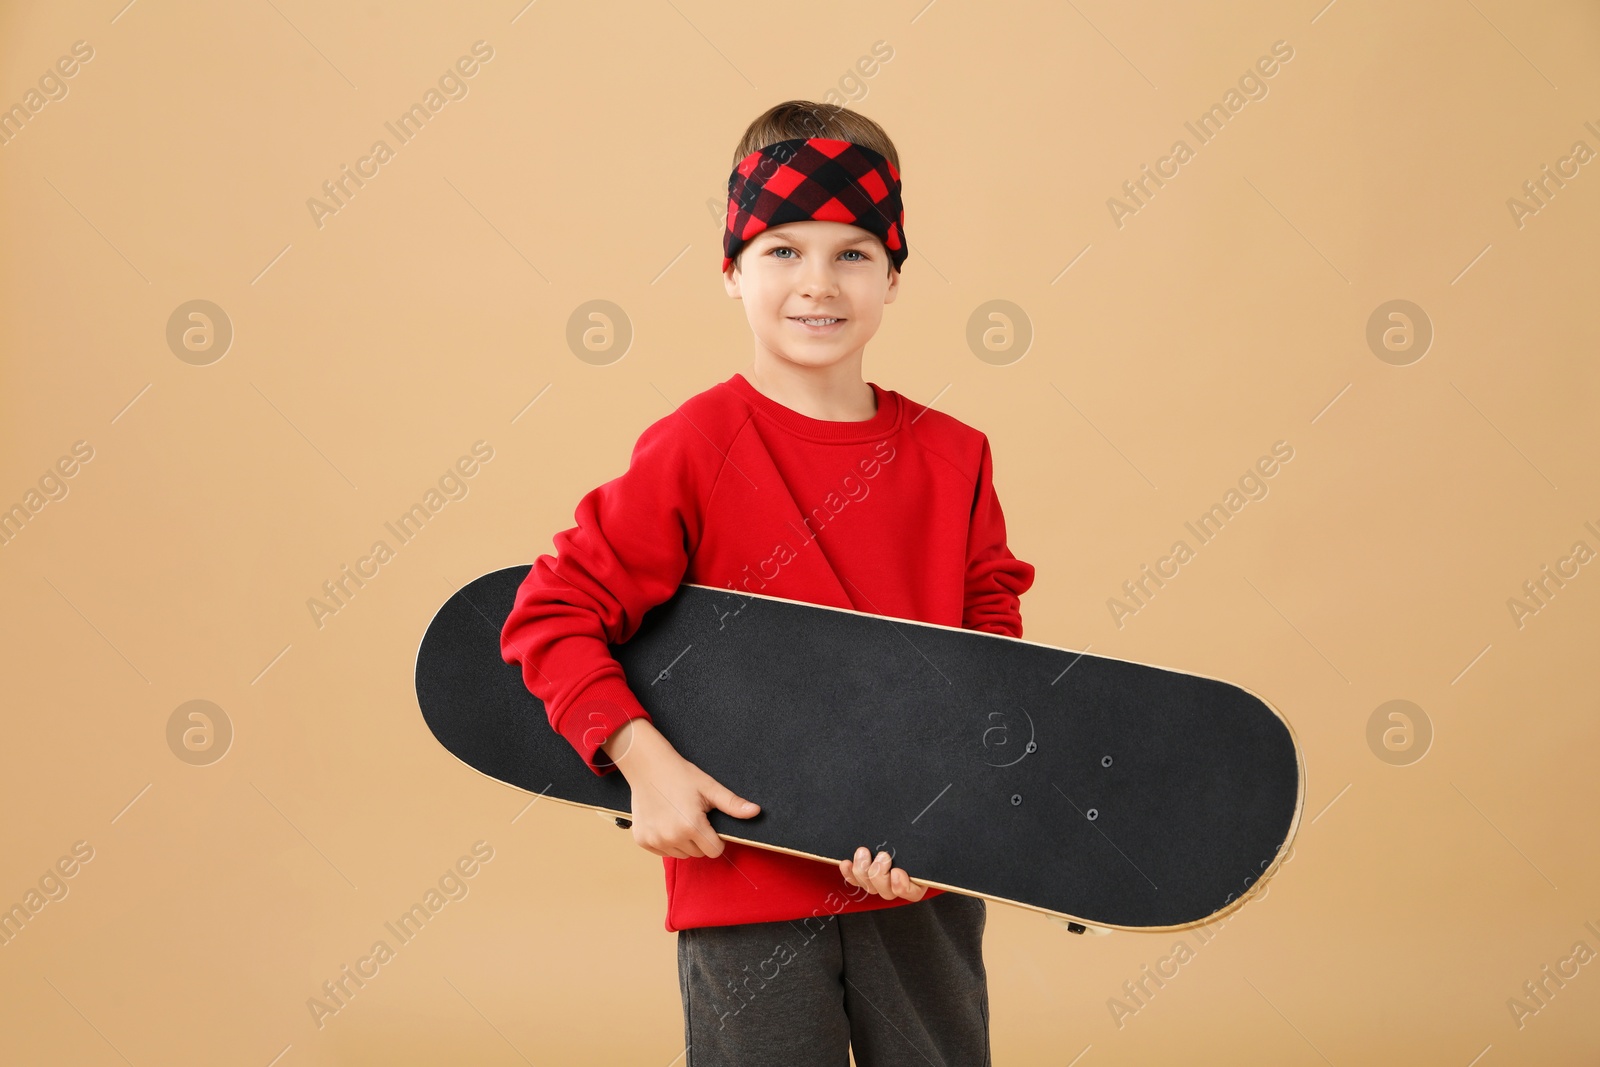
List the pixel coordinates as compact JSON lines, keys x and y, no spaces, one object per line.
{"x":813,"y":269}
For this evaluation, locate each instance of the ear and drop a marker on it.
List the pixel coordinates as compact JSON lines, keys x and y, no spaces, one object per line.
{"x":730,"y":281}
{"x":894,"y":286}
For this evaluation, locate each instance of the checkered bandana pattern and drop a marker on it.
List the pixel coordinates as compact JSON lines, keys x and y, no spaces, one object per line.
{"x":815,"y":178}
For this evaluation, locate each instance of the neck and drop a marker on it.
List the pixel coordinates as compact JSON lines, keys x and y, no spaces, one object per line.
{"x":835,"y":393}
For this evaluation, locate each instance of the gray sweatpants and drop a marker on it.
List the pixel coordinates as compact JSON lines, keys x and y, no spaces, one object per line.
{"x":900,"y":986}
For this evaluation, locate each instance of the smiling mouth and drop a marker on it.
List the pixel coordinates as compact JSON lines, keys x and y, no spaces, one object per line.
{"x":815,"y":322}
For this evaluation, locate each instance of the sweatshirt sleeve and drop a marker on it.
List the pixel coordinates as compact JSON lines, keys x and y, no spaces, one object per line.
{"x":628,"y":552}
{"x":995,"y":578}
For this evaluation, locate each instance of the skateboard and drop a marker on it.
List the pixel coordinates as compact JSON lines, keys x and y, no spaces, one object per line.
{"x":1102,"y":792}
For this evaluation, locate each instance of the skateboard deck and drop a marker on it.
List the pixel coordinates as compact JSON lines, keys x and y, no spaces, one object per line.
{"x":1099,"y":791}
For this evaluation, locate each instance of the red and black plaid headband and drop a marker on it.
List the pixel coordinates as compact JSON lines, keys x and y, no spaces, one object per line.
{"x":814,"y":178}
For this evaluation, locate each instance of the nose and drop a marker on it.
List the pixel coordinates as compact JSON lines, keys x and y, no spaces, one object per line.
{"x":818,"y":280}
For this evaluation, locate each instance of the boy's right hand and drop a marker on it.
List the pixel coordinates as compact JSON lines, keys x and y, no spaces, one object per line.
{"x":671,"y":795}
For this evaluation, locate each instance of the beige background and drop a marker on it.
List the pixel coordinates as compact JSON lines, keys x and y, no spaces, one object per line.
{"x":1230,"y":312}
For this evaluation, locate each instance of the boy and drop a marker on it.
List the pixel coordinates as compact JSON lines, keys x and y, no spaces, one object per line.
{"x":795,"y":479}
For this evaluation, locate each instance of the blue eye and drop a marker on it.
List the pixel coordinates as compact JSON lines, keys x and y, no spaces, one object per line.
{"x":847,"y":252}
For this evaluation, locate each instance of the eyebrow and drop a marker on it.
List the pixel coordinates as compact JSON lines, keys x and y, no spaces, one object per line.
{"x":789,"y":236}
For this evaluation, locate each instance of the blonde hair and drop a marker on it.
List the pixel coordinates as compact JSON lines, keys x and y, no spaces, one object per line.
{"x":806,"y":118}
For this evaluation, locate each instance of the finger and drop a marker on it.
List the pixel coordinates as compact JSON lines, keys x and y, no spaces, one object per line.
{"x":665,"y":844}
{"x":706,"y":839}
{"x":905,"y":887}
{"x":887,"y":877}
{"x":691,"y":848}
{"x":859,"y":868}
{"x":880,"y":876}
{"x":728,"y":801}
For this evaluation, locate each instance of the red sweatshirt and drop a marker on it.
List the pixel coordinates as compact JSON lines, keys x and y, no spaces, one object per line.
{"x":895,"y":515}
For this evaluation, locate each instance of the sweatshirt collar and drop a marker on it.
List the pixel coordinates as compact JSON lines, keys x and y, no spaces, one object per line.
{"x":883,"y":423}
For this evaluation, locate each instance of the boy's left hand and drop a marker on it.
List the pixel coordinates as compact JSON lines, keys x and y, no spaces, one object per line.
{"x":879,"y":876}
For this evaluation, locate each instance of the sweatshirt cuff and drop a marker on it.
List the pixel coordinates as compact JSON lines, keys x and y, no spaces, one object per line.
{"x":595,"y":714}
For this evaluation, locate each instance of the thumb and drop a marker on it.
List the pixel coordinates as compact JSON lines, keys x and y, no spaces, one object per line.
{"x":727,"y":800}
